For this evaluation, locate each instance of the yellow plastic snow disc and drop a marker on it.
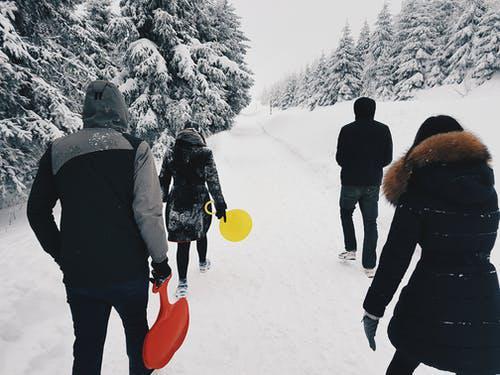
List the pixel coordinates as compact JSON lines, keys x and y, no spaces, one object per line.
{"x":237,"y":227}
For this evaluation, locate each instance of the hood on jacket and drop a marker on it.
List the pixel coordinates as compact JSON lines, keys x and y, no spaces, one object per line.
{"x":364,"y":108}
{"x":105,"y":107}
{"x":468,"y":183}
{"x":191,"y":137}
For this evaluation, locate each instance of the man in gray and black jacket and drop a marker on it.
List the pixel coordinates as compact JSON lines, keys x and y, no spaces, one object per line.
{"x":111,"y":222}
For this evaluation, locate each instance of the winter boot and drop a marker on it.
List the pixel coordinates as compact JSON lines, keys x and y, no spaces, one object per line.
{"x":348,"y":255}
{"x":205,"y":266}
{"x":182,"y":289}
{"x":370,"y":272}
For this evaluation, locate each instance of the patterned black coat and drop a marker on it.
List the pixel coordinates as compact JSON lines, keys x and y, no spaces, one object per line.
{"x":448,"y":316}
{"x":192,"y":171}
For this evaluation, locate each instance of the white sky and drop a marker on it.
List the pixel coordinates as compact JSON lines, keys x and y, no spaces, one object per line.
{"x":288,"y":34}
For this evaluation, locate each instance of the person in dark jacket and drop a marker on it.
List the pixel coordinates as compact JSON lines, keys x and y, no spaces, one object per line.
{"x":448,"y":316}
{"x":192,"y":168}
{"x":364,"y":149}
{"x":111,"y":222}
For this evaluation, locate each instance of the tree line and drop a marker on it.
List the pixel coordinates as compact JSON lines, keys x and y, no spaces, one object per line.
{"x":430,"y":43}
{"x":176,"y":61}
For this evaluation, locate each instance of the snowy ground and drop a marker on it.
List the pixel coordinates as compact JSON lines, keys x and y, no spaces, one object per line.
{"x":278,"y":303}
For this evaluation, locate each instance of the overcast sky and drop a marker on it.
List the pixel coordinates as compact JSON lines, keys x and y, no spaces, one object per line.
{"x":288,"y":34}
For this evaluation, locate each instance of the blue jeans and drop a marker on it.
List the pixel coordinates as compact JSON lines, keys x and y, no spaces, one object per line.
{"x":90,"y":309}
{"x":367,"y":197}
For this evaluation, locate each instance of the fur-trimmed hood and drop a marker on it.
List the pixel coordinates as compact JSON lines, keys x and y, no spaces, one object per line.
{"x":442,"y":148}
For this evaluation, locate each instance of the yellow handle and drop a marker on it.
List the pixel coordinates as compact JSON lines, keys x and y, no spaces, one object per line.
{"x":206,"y":208}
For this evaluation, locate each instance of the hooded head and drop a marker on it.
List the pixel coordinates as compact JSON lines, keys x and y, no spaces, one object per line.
{"x":105,"y":107}
{"x":364,"y":108}
{"x":190,"y":137}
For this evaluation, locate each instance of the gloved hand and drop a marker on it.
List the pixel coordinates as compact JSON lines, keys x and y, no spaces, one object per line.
{"x":161,"y":272}
{"x":221,"y":214}
{"x":370,"y":324}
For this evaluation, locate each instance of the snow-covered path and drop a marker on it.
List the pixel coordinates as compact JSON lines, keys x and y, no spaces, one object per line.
{"x":278,"y":303}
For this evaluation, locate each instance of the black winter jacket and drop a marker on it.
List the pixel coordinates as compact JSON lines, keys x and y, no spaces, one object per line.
{"x":448,"y":316}
{"x":111,"y":208}
{"x":364,"y":148}
{"x":194,"y":171}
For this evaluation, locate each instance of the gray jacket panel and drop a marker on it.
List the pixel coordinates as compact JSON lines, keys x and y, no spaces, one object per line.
{"x":84,"y":142}
{"x":147,"y":205}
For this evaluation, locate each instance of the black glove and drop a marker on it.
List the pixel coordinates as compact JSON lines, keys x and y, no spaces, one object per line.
{"x":161,"y":272}
{"x":221,"y":213}
{"x":370,"y":326}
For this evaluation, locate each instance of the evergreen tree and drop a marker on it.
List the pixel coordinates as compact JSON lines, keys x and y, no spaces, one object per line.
{"x":414,"y":48}
{"x":363,"y":50}
{"x":41,"y":84}
{"x":347,"y":70}
{"x":384,"y":76}
{"x":327,"y":85}
{"x":487,"y":47}
{"x":379,"y":66}
{"x":318,"y":83}
{"x":363,"y":44}
{"x":443,"y":12}
{"x":233,"y":45}
{"x":460,"y":49}
{"x":190,"y":52}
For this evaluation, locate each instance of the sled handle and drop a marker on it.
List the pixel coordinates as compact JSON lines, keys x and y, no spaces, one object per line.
{"x":157,"y":289}
{"x":211,"y":213}
{"x":162,"y":290}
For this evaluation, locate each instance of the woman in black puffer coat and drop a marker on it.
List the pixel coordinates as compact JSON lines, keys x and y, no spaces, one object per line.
{"x":448,"y":316}
{"x":192,"y":168}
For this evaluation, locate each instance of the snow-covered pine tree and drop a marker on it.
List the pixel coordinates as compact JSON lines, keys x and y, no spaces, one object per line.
{"x":363,"y":49}
{"x":487,"y":47}
{"x":234,"y":46}
{"x":443,"y":13}
{"x":327,"y":82}
{"x":44,"y":68}
{"x":347,"y":69}
{"x":99,"y":12}
{"x":384,"y":76}
{"x":460,"y":49}
{"x":363,"y":43}
{"x":379,"y":62}
{"x":318,"y":82}
{"x":413,"y":48}
{"x":290,"y":92}
{"x":188,"y":64}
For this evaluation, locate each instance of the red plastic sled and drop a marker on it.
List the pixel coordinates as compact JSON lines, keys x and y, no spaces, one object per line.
{"x":169,"y":331}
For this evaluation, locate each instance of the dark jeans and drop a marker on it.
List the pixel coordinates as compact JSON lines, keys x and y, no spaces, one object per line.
{"x":91,"y":307}
{"x":404,"y":365}
{"x":183,"y":255}
{"x":367,"y":197}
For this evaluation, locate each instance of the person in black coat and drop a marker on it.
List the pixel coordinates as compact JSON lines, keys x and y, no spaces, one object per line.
{"x":364,"y":149}
{"x":191,"y":167}
{"x":111,"y":223}
{"x":448,"y":316}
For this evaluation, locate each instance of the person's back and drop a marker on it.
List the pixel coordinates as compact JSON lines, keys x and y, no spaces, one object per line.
{"x":191,"y":167}
{"x":446,"y":202}
{"x":364,"y":148}
{"x":111,"y":222}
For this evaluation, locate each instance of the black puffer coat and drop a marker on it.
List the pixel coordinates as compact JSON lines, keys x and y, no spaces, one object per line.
{"x":448,"y":316}
{"x":192,"y":170}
